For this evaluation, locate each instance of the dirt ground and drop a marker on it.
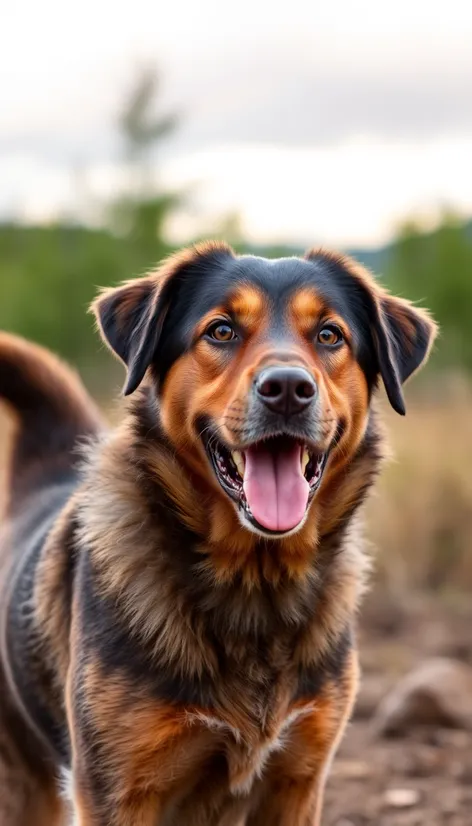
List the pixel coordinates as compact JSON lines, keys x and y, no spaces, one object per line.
{"x":425,"y":778}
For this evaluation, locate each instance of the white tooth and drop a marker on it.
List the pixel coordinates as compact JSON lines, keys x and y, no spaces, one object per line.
{"x":238,"y":459}
{"x":305,"y":459}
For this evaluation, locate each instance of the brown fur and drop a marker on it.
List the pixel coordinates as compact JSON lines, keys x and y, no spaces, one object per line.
{"x":187,"y":670}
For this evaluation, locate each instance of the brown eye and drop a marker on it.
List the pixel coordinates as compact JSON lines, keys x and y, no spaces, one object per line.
{"x":222,"y":331}
{"x":330,"y":336}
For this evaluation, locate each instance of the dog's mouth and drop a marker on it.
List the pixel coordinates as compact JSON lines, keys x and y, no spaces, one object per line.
{"x":273,"y":481}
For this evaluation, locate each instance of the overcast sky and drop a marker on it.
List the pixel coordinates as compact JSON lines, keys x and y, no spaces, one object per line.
{"x":315,"y":121}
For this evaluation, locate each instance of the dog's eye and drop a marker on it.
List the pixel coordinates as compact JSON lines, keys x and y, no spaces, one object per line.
{"x":329,"y":335}
{"x":221,"y":331}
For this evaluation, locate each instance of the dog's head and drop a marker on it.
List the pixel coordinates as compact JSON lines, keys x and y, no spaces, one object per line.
{"x":264,"y":369}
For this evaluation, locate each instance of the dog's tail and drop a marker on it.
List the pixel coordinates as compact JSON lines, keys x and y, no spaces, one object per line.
{"x":52,"y":412}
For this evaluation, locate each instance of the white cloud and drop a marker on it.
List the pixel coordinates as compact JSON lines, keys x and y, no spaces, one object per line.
{"x":65,"y":68}
{"x":273,"y":100}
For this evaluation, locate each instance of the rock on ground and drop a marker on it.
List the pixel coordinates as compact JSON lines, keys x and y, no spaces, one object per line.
{"x":436,"y":693}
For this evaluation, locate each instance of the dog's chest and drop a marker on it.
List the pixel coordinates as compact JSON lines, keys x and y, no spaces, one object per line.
{"x":253,"y":715}
{"x":248,"y":740}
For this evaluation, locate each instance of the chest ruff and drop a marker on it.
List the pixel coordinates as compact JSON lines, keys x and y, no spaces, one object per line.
{"x":248,"y":750}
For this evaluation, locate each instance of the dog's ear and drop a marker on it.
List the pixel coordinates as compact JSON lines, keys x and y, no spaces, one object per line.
{"x":131,"y":317}
{"x":403,"y":336}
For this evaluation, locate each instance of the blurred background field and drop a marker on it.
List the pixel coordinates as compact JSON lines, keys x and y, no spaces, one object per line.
{"x":276,"y":130}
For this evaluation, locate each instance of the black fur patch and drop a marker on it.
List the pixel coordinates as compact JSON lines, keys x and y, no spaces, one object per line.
{"x":312,"y":679}
{"x":118,"y":650}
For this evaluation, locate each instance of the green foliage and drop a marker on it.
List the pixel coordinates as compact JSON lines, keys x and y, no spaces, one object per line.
{"x":49,"y":275}
{"x":435,"y":269}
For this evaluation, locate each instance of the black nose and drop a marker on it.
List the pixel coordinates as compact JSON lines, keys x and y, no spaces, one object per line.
{"x":286,"y":390}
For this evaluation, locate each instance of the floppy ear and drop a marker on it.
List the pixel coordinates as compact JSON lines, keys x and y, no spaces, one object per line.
{"x":130,"y":321}
{"x":403,"y":336}
{"x":131,"y":317}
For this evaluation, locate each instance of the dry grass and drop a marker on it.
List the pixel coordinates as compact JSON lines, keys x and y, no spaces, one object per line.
{"x":420,"y":518}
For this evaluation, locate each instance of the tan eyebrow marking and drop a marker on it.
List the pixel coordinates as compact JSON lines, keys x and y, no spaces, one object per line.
{"x":306,"y":308}
{"x":247,"y":305}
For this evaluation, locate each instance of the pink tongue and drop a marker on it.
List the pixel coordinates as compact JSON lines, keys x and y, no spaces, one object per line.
{"x":275,"y":487}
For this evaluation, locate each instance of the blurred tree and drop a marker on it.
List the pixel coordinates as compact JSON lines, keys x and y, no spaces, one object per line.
{"x":435,"y":269}
{"x":141,"y":129}
{"x":141,"y":212}
{"x":49,"y":275}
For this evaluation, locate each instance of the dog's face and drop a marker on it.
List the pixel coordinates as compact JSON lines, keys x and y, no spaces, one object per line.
{"x":264,"y":369}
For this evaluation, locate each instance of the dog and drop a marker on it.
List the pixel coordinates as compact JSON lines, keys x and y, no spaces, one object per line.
{"x":178,"y":594}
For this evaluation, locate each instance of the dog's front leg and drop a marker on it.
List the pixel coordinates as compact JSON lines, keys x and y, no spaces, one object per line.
{"x":90,"y":806}
{"x":106,"y":789}
{"x":132,"y":754}
{"x":115,"y":779}
{"x":292,"y":788}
